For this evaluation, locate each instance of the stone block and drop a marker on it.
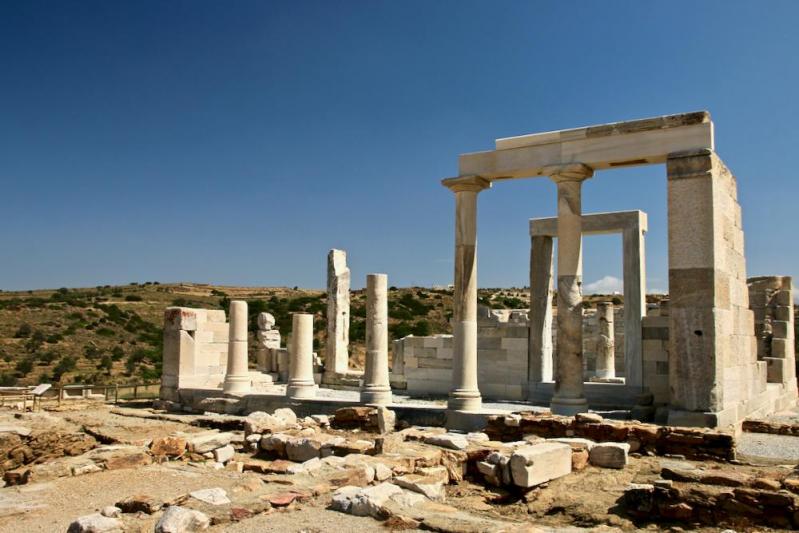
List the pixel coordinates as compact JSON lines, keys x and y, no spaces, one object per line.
{"x":784,"y":312}
{"x":783,"y":348}
{"x":781,"y":329}
{"x":609,"y":454}
{"x":539,"y":463}
{"x":510,"y":343}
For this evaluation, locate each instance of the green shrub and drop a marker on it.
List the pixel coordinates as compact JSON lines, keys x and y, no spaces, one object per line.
{"x":106,"y":363}
{"x":117,"y":353}
{"x":24,"y":366}
{"x":133,"y":298}
{"x":66,"y":364}
{"x":7,"y":380}
{"x":105,"y":332}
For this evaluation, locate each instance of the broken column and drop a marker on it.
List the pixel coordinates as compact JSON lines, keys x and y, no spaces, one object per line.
{"x":569,"y":397}
{"x":301,"y":383}
{"x":268,"y":341}
{"x":376,"y":388}
{"x":338,"y":314}
{"x":465,"y":394}
{"x":606,"y":341}
{"x":237,"y":378}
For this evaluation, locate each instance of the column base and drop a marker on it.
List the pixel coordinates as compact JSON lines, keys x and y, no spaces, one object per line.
{"x":376,"y":395}
{"x":568,"y":406}
{"x":301,"y":390}
{"x":237,"y":384}
{"x":464,"y":400}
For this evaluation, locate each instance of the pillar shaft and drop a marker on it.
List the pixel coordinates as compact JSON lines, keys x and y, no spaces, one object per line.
{"x":465,"y":395}
{"x":634,"y":304}
{"x":569,"y":397}
{"x":237,"y":378}
{"x":540,"y":353}
{"x":606,"y":341}
{"x":301,"y":382}
{"x":376,"y":388}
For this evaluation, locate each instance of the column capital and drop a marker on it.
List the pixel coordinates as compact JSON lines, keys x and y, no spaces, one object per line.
{"x":466,"y":183}
{"x":568,"y":172}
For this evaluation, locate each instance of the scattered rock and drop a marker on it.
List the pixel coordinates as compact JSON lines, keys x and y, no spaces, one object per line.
{"x":284,"y":499}
{"x":382,"y":472}
{"x":609,"y":454}
{"x":95,"y":523}
{"x":141,"y":503}
{"x":178,"y":519}
{"x":214,"y":496}
{"x":431,"y":486}
{"x":16,"y":430}
{"x":275,"y":444}
{"x":322,"y":420}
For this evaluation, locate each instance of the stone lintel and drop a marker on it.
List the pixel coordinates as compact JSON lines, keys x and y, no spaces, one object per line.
{"x":644,"y":142}
{"x":593,"y":223}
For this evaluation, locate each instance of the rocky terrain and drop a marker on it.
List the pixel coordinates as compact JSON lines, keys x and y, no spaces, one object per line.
{"x":96,"y":467}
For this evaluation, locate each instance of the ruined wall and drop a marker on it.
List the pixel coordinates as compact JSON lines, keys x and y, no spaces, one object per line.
{"x":195,"y":350}
{"x":771,"y":301}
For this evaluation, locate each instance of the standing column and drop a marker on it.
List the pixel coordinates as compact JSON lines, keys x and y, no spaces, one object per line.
{"x":540,"y":353}
{"x":569,"y":397}
{"x":465,"y":395}
{"x":606,"y":341}
{"x":634,"y":301}
{"x":376,"y":388}
{"x":301,"y":384}
{"x":237,"y":378}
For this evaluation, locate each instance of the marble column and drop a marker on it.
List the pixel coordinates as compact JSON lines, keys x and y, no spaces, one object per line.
{"x":634,"y":302}
{"x":465,"y":395}
{"x":540,"y":351}
{"x":237,"y":378}
{"x":606,"y":341}
{"x":569,"y":397}
{"x":376,"y":388}
{"x":301,"y":383}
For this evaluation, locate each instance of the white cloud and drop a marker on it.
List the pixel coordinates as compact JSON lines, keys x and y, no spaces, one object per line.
{"x":606,"y":285}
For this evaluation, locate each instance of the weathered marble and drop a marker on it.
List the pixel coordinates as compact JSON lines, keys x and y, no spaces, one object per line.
{"x":338,"y":314}
{"x":301,"y":383}
{"x":605,"y":345}
{"x":376,"y":388}
{"x":237,"y":378}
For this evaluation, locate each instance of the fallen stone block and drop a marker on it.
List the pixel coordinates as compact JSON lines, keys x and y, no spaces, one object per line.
{"x":224,"y":454}
{"x":386,"y":420}
{"x":111,"y":511}
{"x":453,"y":441}
{"x":178,"y":519}
{"x":276,"y":444}
{"x":609,"y":454}
{"x":208,"y":442}
{"x":86,"y":468}
{"x":95,"y":523}
{"x":539,"y":463}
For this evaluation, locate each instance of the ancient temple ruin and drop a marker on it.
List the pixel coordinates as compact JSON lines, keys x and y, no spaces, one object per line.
{"x":719,"y":349}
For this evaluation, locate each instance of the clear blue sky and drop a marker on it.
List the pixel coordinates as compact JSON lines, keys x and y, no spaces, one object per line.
{"x":236,"y":142}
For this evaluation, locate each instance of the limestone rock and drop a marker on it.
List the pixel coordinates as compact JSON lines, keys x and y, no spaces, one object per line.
{"x":208,"y":442}
{"x":214,"y":496}
{"x":369,"y":501}
{"x":275,"y":444}
{"x":539,"y":463}
{"x":86,"y":468}
{"x":322,"y":420}
{"x":343,"y":498}
{"x":95,"y":523}
{"x":266,"y":321}
{"x":609,"y":454}
{"x":178,"y":519}
{"x":382,"y":472}
{"x":452,"y":441}
{"x":588,"y":418}
{"x":430,"y":485}
{"x":285,"y":415}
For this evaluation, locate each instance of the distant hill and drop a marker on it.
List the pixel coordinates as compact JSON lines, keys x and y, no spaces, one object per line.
{"x":113,"y":334}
